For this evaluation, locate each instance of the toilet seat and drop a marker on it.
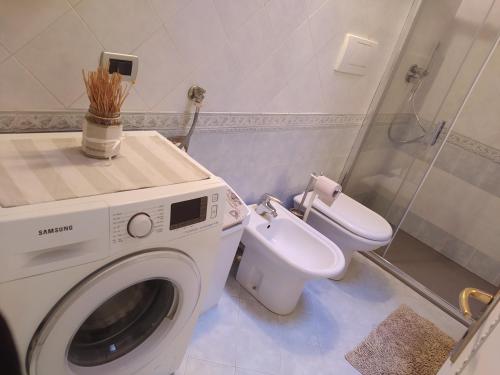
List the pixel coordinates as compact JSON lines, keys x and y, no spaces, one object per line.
{"x":354,"y":217}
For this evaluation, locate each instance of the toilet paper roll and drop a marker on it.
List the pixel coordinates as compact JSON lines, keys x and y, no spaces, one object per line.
{"x":327,"y":189}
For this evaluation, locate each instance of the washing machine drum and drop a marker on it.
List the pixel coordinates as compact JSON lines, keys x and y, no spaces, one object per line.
{"x":120,"y":318}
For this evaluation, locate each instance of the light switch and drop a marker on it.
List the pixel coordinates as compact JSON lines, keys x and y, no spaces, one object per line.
{"x":355,"y":55}
{"x":126,"y":65}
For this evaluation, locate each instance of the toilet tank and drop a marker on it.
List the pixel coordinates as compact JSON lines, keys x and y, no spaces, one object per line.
{"x":236,"y":218}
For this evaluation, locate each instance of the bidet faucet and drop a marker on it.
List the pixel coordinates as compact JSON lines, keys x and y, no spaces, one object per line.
{"x":266,"y":207}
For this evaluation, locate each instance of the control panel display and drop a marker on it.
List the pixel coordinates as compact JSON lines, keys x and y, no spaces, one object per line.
{"x":188,"y":212}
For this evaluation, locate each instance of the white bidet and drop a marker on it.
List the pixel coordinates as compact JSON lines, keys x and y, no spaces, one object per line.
{"x":281,"y":254}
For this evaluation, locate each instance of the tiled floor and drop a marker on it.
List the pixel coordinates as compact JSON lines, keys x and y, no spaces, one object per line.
{"x":432,"y":269}
{"x":241,"y":337}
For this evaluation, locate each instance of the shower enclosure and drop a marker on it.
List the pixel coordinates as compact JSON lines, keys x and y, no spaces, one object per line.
{"x":429,"y":159}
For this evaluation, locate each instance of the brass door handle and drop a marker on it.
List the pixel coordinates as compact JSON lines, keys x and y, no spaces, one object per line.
{"x":477,"y":294}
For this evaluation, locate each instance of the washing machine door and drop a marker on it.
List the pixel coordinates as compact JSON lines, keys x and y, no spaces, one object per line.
{"x":120,"y":318}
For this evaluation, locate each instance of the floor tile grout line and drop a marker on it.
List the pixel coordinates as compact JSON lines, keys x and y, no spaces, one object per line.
{"x":322,"y":356}
{"x":189,"y":356}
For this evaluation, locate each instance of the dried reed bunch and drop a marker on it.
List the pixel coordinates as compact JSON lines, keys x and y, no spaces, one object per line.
{"x":106,"y":91}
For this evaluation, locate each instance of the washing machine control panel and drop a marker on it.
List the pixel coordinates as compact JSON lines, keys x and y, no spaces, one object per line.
{"x":140,"y":225}
{"x":157,"y":221}
{"x":188,"y":212}
{"x":128,"y":224}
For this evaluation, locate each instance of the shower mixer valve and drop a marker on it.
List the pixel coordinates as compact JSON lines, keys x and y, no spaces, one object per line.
{"x":415,"y":72}
{"x":196,"y":94}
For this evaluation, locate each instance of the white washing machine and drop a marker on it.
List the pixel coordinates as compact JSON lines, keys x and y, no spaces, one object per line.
{"x":110,"y":283}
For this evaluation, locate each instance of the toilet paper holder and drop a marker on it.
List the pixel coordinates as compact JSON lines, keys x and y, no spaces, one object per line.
{"x":299,"y":210}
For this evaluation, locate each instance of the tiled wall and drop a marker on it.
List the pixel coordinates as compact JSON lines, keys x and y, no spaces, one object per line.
{"x":255,"y":153}
{"x":251,"y":55}
{"x":435,"y":23}
{"x":276,"y":162}
{"x":457,"y":210}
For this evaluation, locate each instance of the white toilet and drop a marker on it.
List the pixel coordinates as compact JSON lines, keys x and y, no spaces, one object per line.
{"x":349,"y":224}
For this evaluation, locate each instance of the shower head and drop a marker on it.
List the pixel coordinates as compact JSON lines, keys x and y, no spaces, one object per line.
{"x":416,"y":72}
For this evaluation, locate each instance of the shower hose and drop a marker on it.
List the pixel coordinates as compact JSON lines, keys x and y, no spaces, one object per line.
{"x":411,"y":102}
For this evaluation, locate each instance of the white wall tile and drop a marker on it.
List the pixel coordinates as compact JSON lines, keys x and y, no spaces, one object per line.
{"x":243,"y":52}
{"x":54,"y":60}
{"x":133,"y":21}
{"x":286,"y":15}
{"x":277,"y":162}
{"x":81,"y":103}
{"x":3,"y":53}
{"x":254,"y":41}
{"x":167,"y":9}
{"x":133,"y":103}
{"x":262,"y":85}
{"x":474,"y":220}
{"x":234,"y":13}
{"x":303,"y":94}
{"x":332,"y":19}
{"x":219,"y":75}
{"x":350,"y":92}
{"x":483,"y":101}
{"x":313,"y":5}
{"x":196,"y":31}
{"x":22,"y":20}
{"x":162,"y":68}
{"x":19,"y":89}
{"x":300,"y":50}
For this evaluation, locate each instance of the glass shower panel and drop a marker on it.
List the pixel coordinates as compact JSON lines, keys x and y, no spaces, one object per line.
{"x":418,"y":106}
{"x":449,"y":238}
{"x":453,"y":85}
{"x":430,"y":160}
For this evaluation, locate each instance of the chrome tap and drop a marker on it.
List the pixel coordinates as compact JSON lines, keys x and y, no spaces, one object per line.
{"x":266,"y":207}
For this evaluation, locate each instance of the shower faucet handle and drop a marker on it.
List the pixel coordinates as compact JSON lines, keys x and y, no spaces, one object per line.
{"x":437,"y":132}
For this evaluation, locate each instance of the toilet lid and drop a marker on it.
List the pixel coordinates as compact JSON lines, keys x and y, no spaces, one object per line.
{"x":355,"y":217}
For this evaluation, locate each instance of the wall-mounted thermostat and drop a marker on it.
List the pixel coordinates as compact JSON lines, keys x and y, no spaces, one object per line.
{"x":355,"y":55}
{"x":126,"y":65}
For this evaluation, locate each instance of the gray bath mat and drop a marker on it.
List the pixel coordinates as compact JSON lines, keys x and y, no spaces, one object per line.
{"x":403,"y":344}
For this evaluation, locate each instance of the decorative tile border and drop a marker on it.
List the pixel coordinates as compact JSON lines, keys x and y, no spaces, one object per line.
{"x":455,"y":138}
{"x":472,"y":145}
{"x":175,"y":124}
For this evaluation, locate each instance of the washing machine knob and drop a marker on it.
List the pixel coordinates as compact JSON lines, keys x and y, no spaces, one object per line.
{"x":140,"y":225}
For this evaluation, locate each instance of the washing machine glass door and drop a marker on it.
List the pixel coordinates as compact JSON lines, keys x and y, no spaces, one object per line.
{"x":123,"y":322}
{"x":120,"y":318}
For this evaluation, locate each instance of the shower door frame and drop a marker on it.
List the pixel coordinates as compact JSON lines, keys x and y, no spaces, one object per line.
{"x":373,"y":110}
